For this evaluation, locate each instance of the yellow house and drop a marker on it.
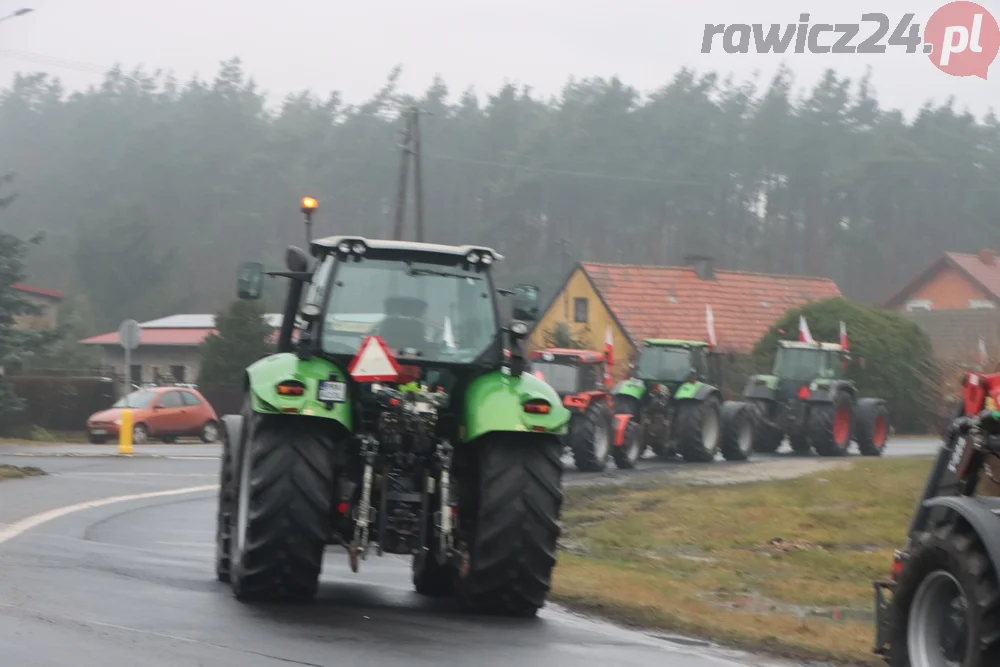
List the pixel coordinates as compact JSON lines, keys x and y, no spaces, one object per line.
{"x":639,"y":303}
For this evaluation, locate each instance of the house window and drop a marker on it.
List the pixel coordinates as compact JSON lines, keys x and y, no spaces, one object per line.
{"x":981,"y":304}
{"x":918,"y":304}
{"x":178,"y":373}
{"x":580,"y":309}
{"x":136,"y":376}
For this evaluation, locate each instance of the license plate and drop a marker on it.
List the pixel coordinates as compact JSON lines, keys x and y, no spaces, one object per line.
{"x":332,"y":392}
{"x":99,"y":431}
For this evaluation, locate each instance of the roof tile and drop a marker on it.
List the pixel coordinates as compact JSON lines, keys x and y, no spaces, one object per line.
{"x":744,"y":305}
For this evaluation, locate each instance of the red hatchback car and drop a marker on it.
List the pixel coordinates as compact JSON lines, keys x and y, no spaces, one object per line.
{"x":165,"y":413}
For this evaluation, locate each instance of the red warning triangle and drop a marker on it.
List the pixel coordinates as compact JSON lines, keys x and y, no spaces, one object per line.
{"x":374,"y":362}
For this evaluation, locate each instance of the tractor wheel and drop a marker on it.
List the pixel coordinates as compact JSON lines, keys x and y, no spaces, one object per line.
{"x":828,"y":425}
{"x":944,"y":606}
{"x":591,"y":438}
{"x":224,"y":513}
{"x":871,"y":426}
{"x":800,"y":444}
{"x":513,"y":550}
{"x":284,"y":503}
{"x":431,"y":578}
{"x":737,"y":431}
{"x":698,"y":429}
{"x":628,"y":454}
{"x":766,"y":438}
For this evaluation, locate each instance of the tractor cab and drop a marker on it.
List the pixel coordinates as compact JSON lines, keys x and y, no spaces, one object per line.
{"x":663,"y":365}
{"x":574,"y":374}
{"x":798,"y":364}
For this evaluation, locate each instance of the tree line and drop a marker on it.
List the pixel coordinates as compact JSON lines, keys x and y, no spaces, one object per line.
{"x":151,"y":190}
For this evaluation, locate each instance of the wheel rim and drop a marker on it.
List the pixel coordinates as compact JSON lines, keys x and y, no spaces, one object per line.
{"x":937,"y":633}
{"x":745,"y":438}
{"x":710,"y":431}
{"x":602,"y":442}
{"x":841,"y":425}
{"x":139,"y":435}
{"x":243,"y":502}
{"x":211,"y":433}
{"x":878,"y":433}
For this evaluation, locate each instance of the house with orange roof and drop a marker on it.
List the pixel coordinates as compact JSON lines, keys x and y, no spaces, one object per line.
{"x":48,"y":303}
{"x":956,"y":301}
{"x":643,"y":302}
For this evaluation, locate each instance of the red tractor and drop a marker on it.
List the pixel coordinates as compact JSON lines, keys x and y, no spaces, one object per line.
{"x":579,"y":378}
{"x":941,"y":605}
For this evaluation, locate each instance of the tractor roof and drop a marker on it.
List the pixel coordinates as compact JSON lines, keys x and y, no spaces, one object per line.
{"x":799,"y":345}
{"x":331,"y":242}
{"x":671,"y":342}
{"x":582,"y":356}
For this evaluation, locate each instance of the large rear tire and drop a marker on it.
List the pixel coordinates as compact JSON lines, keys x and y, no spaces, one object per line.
{"x":590,"y":437}
{"x":224,"y":513}
{"x":737,"y":431}
{"x":698,"y":429}
{"x":871,"y":426}
{"x":284,"y":490}
{"x":946,"y":606}
{"x":828,"y":425}
{"x":513,"y":550}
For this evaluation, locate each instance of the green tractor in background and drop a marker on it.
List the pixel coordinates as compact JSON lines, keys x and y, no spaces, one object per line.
{"x":807,"y":398}
{"x":398,"y":418}
{"x":672,"y":405}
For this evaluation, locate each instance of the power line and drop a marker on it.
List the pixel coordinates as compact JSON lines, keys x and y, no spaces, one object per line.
{"x":565,"y":172}
{"x":52,"y":61}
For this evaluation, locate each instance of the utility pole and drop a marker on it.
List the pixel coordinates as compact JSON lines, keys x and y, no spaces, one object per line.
{"x":418,"y":178}
{"x":404,"y":163}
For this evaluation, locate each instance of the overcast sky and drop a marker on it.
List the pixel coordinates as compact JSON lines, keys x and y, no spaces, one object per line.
{"x":329,"y":45}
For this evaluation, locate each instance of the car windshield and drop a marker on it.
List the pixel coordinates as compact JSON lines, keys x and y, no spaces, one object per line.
{"x":565,"y":379}
{"x":137,"y":399}
{"x":668,"y":364}
{"x":429,"y":312}
{"x":797,"y":364}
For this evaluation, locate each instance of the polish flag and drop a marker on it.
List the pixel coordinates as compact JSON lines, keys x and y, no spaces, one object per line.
{"x":843,"y":337}
{"x":609,"y":356}
{"x":804,"y":334}
{"x":710,"y":324}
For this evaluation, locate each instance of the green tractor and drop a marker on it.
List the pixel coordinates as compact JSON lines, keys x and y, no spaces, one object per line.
{"x":672,"y":405}
{"x":807,"y":398}
{"x":396,"y":416}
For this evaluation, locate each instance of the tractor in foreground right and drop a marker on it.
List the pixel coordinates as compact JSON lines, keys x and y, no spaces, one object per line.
{"x":940,"y":607}
{"x":807,"y":398}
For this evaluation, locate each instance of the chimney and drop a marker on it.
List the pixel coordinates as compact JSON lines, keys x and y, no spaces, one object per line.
{"x":988,"y":257}
{"x":702,"y":264}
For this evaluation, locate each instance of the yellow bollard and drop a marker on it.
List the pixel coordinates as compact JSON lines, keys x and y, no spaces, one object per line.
{"x":125,"y":433}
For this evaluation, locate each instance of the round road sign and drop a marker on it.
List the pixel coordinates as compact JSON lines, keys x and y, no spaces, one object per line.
{"x":128,"y":334}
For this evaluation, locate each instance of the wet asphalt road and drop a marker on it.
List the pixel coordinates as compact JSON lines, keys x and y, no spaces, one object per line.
{"x":131,"y":582}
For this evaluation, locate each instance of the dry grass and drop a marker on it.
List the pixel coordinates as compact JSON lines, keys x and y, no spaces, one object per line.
{"x":15,"y":472}
{"x":782,"y":565}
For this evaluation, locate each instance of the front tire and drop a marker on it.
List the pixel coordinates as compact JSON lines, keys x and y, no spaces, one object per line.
{"x":945,"y":607}
{"x":871,"y":426}
{"x":224,"y":513}
{"x":628,"y":454}
{"x":513,"y":551}
{"x":766,"y":438}
{"x":698,"y":429}
{"x":284,"y":504}
{"x":590,"y":437}
{"x":737,"y":431}
{"x":210,"y":432}
{"x":828,"y":425}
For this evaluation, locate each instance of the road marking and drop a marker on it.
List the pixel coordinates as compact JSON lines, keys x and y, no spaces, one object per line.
{"x":24,"y":525}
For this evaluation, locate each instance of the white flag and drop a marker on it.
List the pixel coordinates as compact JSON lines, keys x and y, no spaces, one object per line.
{"x":710,"y":324}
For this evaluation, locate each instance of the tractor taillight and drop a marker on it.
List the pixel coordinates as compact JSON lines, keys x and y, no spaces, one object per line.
{"x":538,"y":407}
{"x":804,"y":392}
{"x":897,"y":567}
{"x":291,"y":388}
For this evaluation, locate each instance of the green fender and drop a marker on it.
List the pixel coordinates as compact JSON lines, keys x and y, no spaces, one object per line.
{"x":494,"y":402}
{"x":631,"y":387}
{"x":698,"y":391}
{"x":265,"y":374}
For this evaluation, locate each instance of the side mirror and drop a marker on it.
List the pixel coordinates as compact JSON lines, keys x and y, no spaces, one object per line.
{"x":248,"y":284}
{"x":526,"y":303}
{"x":296,"y":259}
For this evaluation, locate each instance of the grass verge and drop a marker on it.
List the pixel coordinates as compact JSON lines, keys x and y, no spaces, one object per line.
{"x":16,"y":472}
{"x":784,"y":566}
